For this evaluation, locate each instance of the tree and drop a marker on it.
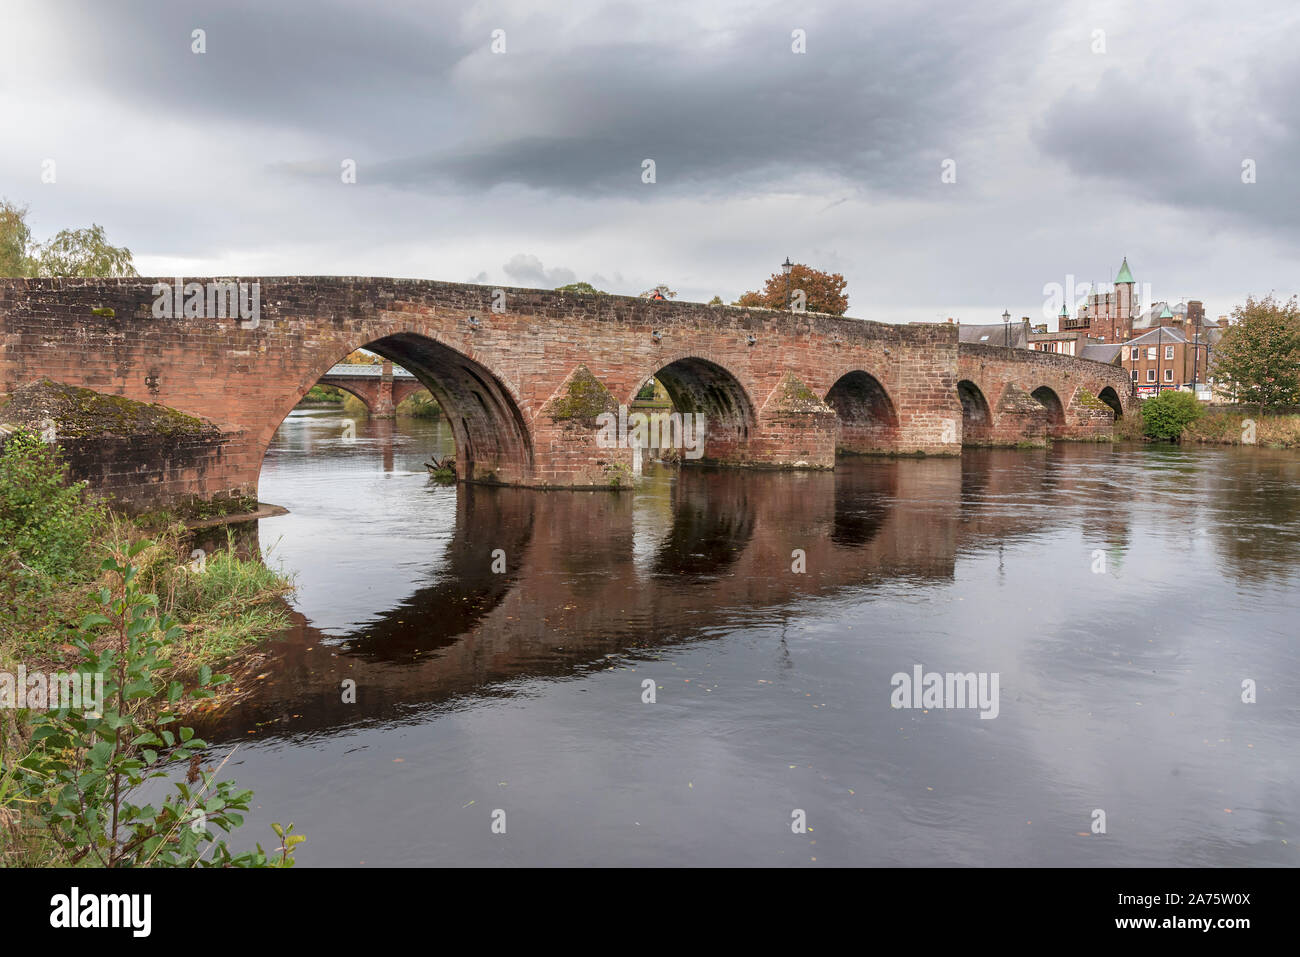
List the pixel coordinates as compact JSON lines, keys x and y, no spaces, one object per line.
{"x":662,"y":289}
{"x":581,"y":289}
{"x":1259,"y":353}
{"x":15,"y":238}
{"x":83,"y":253}
{"x":823,"y":291}
{"x":715,"y":301}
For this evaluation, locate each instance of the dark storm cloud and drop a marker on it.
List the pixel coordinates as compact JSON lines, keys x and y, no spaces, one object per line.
{"x":877,"y":101}
{"x":1183,"y":142}
{"x":328,"y":66}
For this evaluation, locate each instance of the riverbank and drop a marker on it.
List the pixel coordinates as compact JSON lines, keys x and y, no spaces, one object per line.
{"x":56,"y":572}
{"x":1225,"y":426}
{"x":1270,"y":430}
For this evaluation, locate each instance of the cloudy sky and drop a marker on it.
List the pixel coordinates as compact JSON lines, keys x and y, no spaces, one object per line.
{"x":1072,"y":148}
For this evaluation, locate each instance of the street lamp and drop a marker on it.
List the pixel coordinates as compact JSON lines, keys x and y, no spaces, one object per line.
{"x":1006,"y":318}
{"x":785,"y":268}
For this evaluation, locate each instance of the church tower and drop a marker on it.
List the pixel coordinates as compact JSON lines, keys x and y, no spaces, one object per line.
{"x":1122,"y":328}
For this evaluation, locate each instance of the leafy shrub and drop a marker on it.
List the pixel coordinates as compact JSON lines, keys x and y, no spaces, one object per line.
{"x":85,"y":768}
{"x":44,"y":518}
{"x":421,"y":405}
{"x":1166,"y":415}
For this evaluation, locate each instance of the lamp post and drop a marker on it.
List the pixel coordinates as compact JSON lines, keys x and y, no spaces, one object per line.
{"x":1006,"y":319}
{"x":786,"y":267}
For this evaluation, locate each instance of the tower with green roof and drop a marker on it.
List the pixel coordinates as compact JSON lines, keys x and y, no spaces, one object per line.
{"x":1124,"y":307}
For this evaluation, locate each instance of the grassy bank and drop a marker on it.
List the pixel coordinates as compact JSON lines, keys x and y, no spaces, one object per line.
{"x":1232,"y":428}
{"x":1224,"y":427}
{"x":85,"y":589}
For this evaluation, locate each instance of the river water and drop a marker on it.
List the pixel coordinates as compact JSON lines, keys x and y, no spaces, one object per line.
{"x":1126,"y":597}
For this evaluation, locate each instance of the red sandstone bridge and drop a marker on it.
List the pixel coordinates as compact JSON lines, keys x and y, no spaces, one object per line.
{"x":522,"y":387}
{"x":380,"y":387}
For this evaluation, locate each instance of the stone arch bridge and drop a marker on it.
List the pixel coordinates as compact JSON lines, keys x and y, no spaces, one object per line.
{"x":380,"y":387}
{"x":522,"y":387}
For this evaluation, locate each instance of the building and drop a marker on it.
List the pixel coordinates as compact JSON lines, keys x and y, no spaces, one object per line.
{"x":1182,"y":331}
{"x":1064,"y":341}
{"x":1106,"y":316}
{"x":1165,"y":358}
{"x":1012,"y":335}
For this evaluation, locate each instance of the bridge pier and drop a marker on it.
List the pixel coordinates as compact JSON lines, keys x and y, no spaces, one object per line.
{"x":383,"y":407}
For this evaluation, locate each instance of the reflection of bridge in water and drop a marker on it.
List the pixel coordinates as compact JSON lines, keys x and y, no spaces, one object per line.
{"x":590,"y":574}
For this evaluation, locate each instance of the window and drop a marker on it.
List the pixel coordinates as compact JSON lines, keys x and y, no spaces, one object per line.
{"x":1134,"y":352}
{"x":1169,"y":375}
{"x":1151,"y":352}
{"x":1135,"y":375}
{"x":1169,"y":352}
{"x":1151,"y":375}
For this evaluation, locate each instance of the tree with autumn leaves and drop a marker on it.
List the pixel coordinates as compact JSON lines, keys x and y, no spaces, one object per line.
{"x":823,"y":291}
{"x":1258,"y":358}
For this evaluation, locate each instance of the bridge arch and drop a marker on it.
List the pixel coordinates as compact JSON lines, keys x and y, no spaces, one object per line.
{"x":976,"y":417}
{"x":1109,"y":396}
{"x":1053,"y":407}
{"x":361,"y":395}
{"x":696,"y":384}
{"x":493,"y":440}
{"x":868,"y":420}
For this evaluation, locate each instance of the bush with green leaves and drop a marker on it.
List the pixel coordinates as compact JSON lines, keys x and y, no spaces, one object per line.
{"x":85,"y":769}
{"x":1166,"y":415}
{"x":45,"y":519}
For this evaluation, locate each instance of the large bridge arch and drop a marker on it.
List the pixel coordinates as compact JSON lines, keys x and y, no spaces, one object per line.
{"x":697,"y":384}
{"x":976,"y":416}
{"x":492,"y":435}
{"x":868,"y":418}
{"x":1053,"y":409}
{"x":1110,"y":398}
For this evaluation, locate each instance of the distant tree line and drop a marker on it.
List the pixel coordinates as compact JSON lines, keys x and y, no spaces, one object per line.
{"x":81,"y":253}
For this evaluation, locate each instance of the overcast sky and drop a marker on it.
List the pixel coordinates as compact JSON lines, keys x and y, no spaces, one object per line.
{"x":525,"y":167}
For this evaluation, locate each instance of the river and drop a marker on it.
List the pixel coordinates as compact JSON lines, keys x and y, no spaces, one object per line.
{"x":1126,"y":597}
